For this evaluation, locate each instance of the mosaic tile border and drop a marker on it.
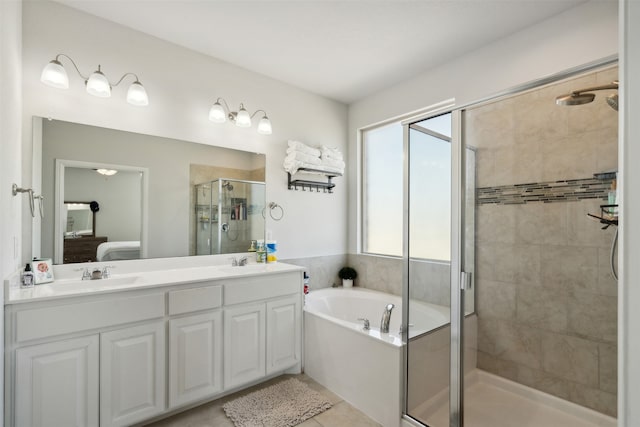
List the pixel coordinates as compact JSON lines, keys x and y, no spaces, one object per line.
{"x":546,"y":192}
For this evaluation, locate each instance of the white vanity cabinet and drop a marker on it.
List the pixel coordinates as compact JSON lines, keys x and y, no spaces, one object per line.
{"x":244,"y":344}
{"x":195,"y":345}
{"x":284,"y":334}
{"x":58,"y":384}
{"x":262,"y":328}
{"x":122,"y":357}
{"x":132,"y":374}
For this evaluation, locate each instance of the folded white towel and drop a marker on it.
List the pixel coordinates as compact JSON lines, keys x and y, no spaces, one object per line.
{"x":299,"y":146}
{"x":292,"y":167}
{"x":328,"y":161}
{"x":303,"y":157}
{"x":331,"y":153}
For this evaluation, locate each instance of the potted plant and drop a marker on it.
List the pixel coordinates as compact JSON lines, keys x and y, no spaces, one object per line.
{"x":347,"y":274}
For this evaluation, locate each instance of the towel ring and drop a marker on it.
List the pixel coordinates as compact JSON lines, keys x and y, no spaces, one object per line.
{"x":272,"y":206}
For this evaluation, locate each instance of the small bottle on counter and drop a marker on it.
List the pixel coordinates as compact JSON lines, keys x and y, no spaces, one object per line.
{"x":27,"y":277}
{"x":261,"y":252}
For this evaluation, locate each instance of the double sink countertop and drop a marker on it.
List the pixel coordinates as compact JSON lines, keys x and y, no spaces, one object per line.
{"x":136,"y":274}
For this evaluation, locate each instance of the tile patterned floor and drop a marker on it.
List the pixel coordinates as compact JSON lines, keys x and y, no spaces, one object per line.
{"x":342,"y":414}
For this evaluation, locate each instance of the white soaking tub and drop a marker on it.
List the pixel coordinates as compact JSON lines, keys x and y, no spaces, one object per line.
{"x":364,"y":367}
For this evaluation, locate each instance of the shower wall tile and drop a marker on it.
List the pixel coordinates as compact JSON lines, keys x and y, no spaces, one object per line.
{"x":594,"y":398}
{"x":490,"y":363}
{"x":546,"y":300}
{"x":541,"y":223}
{"x":606,"y":284}
{"x":496,"y":223}
{"x":594,"y":316}
{"x":517,"y":263}
{"x":510,"y":342}
{"x":497,"y":300}
{"x":585,"y":231}
{"x":572,"y":358}
{"x":608,"y":367}
{"x":572,"y":268}
{"x":544,"y":381}
{"x":542,"y":308}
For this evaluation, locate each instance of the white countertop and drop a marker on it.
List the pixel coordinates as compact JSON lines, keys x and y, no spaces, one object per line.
{"x":150,"y":275}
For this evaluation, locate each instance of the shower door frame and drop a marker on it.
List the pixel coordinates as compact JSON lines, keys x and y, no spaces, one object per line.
{"x":456,"y":319}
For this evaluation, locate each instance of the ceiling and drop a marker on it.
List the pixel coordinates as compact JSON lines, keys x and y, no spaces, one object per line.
{"x":343,"y":50}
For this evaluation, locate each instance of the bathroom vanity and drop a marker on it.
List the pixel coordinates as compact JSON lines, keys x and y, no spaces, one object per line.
{"x":118,"y":351}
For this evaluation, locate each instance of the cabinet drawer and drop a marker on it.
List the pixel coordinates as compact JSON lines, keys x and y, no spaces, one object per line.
{"x":260,"y":288}
{"x":63,"y":319}
{"x":195,"y":299}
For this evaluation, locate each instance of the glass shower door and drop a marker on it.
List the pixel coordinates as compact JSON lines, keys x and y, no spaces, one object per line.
{"x":434,"y":255}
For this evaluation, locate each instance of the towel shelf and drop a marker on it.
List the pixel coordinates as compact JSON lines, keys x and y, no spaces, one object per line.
{"x":327,"y":187}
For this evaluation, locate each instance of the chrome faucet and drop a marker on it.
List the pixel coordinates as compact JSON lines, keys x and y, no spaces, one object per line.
{"x":96,"y":273}
{"x":239,"y":262}
{"x":386,"y":317}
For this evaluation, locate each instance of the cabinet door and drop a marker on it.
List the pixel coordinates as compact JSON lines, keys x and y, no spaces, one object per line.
{"x":57,"y":383}
{"x":132,"y":374}
{"x":195,"y":358}
{"x":244,"y":344}
{"x":283,"y":333}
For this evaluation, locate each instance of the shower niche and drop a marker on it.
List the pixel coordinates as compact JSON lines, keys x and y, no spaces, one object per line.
{"x":228,"y":215}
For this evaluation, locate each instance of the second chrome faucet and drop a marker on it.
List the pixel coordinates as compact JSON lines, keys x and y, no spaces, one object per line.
{"x":386,"y":318}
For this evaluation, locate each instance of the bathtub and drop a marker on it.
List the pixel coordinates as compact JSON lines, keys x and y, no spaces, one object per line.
{"x":364,"y":367}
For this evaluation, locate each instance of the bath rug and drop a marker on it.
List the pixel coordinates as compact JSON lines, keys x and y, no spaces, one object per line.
{"x":285,"y":404}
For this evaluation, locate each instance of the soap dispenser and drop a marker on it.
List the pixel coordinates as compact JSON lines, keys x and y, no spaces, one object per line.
{"x":27,"y":277}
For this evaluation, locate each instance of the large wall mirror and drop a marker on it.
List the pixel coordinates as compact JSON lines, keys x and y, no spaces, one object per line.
{"x":146,"y":203}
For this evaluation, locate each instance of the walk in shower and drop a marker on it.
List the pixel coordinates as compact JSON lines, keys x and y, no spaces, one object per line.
{"x":532,"y":339}
{"x":228,"y":215}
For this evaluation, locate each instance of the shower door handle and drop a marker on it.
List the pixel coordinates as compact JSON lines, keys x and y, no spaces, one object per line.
{"x":466,"y":280}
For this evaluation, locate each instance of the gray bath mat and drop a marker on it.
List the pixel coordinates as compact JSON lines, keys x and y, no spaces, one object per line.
{"x":285,"y":404}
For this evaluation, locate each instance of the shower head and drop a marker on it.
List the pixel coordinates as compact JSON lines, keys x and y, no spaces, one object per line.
{"x":584,"y":96}
{"x":612,"y":100}
{"x":575,"y":98}
{"x":227,"y":186}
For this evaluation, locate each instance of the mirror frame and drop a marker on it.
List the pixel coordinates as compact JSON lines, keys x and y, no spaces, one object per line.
{"x":59,"y":219}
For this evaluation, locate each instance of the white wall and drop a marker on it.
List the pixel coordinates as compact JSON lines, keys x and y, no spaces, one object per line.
{"x":182,"y":85}
{"x":629,"y":295}
{"x":576,"y":37}
{"x":10,"y":137}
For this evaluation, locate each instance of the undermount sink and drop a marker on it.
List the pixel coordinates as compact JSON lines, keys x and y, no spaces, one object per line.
{"x":112,"y":281}
{"x":249,"y":268}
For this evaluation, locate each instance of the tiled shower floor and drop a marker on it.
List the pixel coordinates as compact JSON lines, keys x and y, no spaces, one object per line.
{"x":488,"y":403}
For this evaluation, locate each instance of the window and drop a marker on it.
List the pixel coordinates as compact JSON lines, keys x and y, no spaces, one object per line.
{"x":429,"y":189}
{"x":382,"y":190}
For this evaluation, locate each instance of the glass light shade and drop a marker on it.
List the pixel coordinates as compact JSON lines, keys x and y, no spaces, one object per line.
{"x":243,"y":119}
{"x":137,"y":95}
{"x":217,"y":113}
{"x":54,"y":75}
{"x":98,"y":85}
{"x":264,"y":126}
{"x":107,"y":172}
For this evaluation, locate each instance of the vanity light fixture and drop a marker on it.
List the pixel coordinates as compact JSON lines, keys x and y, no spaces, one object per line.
{"x":97,"y":84}
{"x":219,"y":114}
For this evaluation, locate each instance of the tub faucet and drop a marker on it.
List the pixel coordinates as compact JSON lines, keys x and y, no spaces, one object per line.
{"x":386,"y":317}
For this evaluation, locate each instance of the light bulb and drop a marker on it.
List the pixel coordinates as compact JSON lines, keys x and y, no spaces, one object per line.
{"x":136,"y":95}
{"x":54,"y":75}
{"x":217,"y":113}
{"x":98,"y":85}
{"x":107,"y":172}
{"x":243,"y":119}
{"x":264,"y":126}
